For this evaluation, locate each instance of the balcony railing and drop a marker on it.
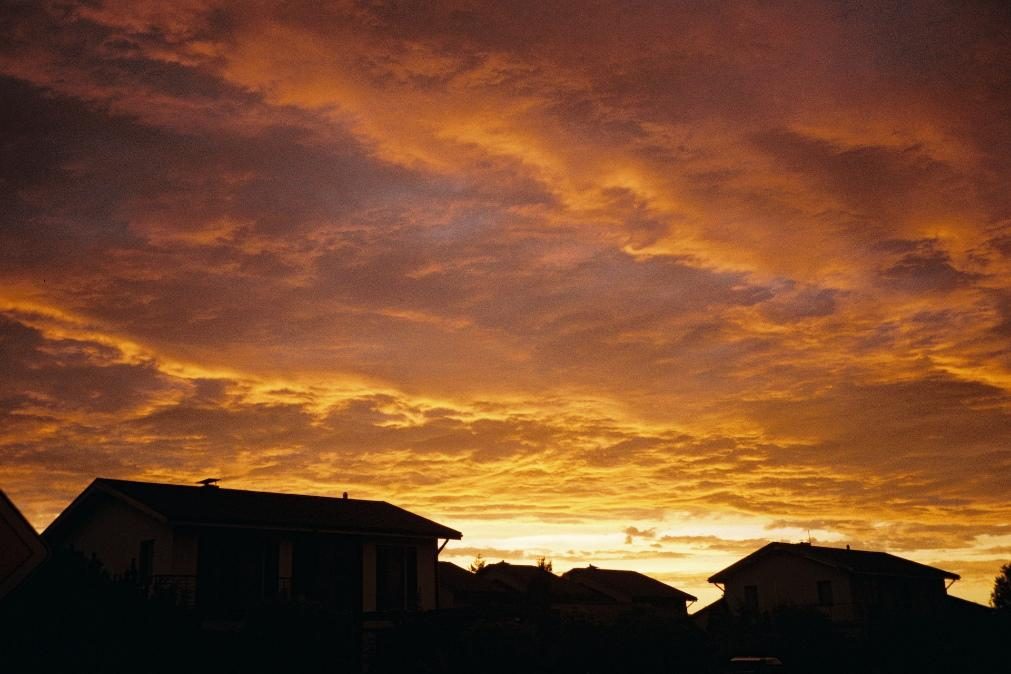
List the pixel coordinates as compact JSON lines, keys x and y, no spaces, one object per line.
{"x":179,"y":589}
{"x":182,"y":590}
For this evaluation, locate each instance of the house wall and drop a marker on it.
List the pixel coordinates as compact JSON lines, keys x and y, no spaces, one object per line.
{"x":788,"y":580}
{"x":368,"y":576}
{"x":427,"y":582}
{"x":448,"y":598}
{"x":112,"y":531}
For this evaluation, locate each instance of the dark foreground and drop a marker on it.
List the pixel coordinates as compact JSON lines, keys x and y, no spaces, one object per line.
{"x":70,"y":617}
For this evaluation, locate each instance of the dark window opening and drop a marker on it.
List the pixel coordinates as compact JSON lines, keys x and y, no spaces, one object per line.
{"x":825,"y":593}
{"x":328,"y":570}
{"x":146,"y":562}
{"x":751,"y":598}
{"x":235,"y":572}
{"x":396,"y":578}
{"x":269,"y":568}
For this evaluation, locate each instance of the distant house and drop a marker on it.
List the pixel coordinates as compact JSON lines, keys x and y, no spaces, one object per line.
{"x":226,"y":550}
{"x":847,"y":586}
{"x":631,"y":588}
{"x":537,"y":586}
{"x":460,"y":588}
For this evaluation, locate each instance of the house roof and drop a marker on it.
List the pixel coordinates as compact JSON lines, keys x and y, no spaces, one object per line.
{"x":21,"y":549}
{"x":963,"y":608}
{"x":716,"y":607}
{"x":459,"y":579}
{"x":525,"y":577}
{"x":864,"y":562}
{"x":631,"y":584}
{"x":215,"y":506}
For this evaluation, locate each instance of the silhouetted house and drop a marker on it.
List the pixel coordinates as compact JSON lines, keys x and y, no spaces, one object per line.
{"x":538,"y":587}
{"x":713,"y":617}
{"x":459,"y":588}
{"x":21,"y":549}
{"x":226,"y":550}
{"x":631,"y":588}
{"x":847,"y":586}
{"x":965,"y":611}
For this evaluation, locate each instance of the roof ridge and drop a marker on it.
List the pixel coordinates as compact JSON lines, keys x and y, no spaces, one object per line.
{"x":245,"y":491}
{"x":191,"y":504}
{"x":853,"y":561}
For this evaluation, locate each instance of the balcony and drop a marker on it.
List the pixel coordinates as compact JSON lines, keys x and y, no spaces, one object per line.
{"x":181,"y":590}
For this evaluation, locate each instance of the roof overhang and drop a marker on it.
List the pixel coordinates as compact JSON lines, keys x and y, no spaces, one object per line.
{"x":455,"y":535}
{"x":102,"y":487}
{"x":756,"y":556}
{"x":768,"y":550}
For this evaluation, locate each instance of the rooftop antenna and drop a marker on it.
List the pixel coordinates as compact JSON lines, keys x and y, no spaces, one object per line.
{"x":209,"y":481}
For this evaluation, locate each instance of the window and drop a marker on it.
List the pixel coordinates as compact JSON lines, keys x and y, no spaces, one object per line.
{"x":751,"y":598}
{"x":146,"y":561}
{"x":825,"y":593}
{"x":328,"y":569}
{"x":396,"y":577}
{"x":271,"y":563}
{"x":235,"y":570}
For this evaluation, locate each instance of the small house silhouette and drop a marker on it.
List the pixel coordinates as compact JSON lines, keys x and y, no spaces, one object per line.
{"x":227,"y":550}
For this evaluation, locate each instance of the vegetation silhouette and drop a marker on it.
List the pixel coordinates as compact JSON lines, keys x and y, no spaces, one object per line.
{"x":1000,"y":598}
{"x":542,"y":641}
{"x":963,"y":638}
{"x":71,"y":616}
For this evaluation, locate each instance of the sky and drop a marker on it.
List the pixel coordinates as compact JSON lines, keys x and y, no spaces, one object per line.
{"x":643,"y":285}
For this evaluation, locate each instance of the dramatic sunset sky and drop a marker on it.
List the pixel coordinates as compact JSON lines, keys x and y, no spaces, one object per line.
{"x":638,"y":284}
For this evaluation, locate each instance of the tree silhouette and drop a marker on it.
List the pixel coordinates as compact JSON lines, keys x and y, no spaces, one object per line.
{"x":544,"y":563}
{"x":478,"y":564}
{"x":1001,"y":596}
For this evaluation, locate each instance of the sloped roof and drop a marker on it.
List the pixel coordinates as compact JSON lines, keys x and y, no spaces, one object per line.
{"x":964,"y":609}
{"x":632,"y":584}
{"x":459,"y":579}
{"x":21,"y":550}
{"x":215,"y":506}
{"x":524,"y":577}
{"x":854,"y":561}
{"x":712,"y":608}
